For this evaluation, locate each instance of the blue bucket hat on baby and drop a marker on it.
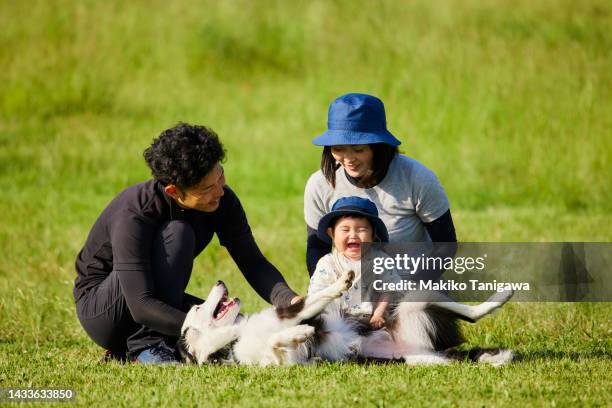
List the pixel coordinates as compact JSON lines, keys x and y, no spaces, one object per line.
{"x":356,"y":119}
{"x":353,"y":206}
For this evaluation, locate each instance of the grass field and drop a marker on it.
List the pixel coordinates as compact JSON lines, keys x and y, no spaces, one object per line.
{"x":508,"y":102}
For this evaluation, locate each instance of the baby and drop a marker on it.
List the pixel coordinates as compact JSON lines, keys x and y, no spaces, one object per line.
{"x":352,"y":221}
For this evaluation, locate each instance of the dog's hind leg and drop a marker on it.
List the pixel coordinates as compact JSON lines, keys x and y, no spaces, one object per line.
{"x":473,"y":313}
{"x":283,"y":342}
{"x":425,"y":358}
{"x":380,"y":344}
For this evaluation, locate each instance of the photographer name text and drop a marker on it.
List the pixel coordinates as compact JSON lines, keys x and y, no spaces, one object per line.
{"x":448,"y":285}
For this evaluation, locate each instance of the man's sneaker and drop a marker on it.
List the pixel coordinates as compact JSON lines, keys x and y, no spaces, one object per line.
{"x":157,"y":354}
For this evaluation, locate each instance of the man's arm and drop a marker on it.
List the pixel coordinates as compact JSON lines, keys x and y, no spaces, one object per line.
{"x":131,"y":240}
{"x":189,"y":301}
{"x":145,"y":308}
{"x":259,"y":272}
{"x":235,"y":234}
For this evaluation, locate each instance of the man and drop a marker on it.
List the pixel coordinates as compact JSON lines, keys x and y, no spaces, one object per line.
{"x":137,"y":260}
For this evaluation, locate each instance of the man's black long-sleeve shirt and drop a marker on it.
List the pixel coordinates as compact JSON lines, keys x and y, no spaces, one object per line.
{"x":122,"y":238}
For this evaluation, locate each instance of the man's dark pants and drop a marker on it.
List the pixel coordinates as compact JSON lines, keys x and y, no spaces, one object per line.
{"x":103,"y":311}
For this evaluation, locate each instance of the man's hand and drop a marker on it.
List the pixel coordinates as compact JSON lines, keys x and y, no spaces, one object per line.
{"x":296,"y":299}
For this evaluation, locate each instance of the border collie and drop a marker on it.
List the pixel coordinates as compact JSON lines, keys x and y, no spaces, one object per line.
{"x":416,"y":332}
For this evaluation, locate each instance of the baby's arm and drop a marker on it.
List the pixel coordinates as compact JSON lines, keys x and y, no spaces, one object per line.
{"x":378,"y":320}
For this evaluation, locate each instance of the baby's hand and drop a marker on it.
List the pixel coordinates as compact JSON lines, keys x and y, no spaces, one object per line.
{"x":377,"y":322}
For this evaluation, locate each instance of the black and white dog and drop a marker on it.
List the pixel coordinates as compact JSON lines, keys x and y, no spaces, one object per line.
{"x":215,"y":330}
{"x":417,"y":332}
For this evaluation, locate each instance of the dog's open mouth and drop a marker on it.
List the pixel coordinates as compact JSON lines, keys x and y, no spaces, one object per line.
{"x":223,"y":306}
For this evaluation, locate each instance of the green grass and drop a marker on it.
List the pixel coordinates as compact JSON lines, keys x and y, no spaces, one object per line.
{"x":508,"y":102}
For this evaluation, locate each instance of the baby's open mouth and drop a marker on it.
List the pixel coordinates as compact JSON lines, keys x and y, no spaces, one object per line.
{"x":353,"y":245}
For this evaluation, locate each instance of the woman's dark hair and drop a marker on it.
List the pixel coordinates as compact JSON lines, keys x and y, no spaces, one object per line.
{"x":382,"y":156}
{"x":184,"y":154}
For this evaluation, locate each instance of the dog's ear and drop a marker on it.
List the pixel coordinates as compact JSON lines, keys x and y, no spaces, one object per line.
{"x":202,"y":344}
{"x":183,"y":348}
{"x":222,"y":356}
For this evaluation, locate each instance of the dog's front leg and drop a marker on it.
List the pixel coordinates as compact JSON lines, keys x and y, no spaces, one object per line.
{"x":318,"y":301}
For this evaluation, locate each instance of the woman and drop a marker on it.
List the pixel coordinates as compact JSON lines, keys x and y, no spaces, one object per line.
{"x":361,"y":158}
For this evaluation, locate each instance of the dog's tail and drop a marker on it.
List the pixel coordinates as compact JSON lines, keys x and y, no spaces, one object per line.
{"x":426,"y":326}
{"x":445,"y":332}
{"x":336,"y":338}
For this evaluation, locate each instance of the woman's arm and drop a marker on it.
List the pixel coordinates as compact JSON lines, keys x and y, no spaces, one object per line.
{"x":442,"y":229}
{"x":315,"y":249}
{"x":314,"y":209}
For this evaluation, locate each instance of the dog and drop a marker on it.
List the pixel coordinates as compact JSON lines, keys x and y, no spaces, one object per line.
{"x":216,"y":331}
{"x":313,"y":329}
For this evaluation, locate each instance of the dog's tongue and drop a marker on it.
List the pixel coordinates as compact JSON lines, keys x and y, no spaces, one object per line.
{"x":224,"y":308}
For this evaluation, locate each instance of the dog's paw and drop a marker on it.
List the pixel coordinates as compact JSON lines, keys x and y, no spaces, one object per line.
{"x":301,"y":333}
{"x":500,"y":298}
{"x":346,"y":280}
{"x":497,"y":359}
{"x":497,"y":300}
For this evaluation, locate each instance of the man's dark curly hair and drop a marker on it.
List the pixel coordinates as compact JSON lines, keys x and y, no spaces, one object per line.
{"x":184,"y":154}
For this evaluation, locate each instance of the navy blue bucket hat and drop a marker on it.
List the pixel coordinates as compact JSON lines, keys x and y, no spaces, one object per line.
{"x":356,"y":119}
{"x":353,"y":206}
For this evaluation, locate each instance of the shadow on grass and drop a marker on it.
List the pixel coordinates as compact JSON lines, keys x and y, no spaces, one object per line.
{"x":547,"y":354}
{"x":469,"y":356}
{"x":472,"y":355}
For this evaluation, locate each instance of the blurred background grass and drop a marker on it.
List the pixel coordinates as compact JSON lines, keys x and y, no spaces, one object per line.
{"x":507,"y":101}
